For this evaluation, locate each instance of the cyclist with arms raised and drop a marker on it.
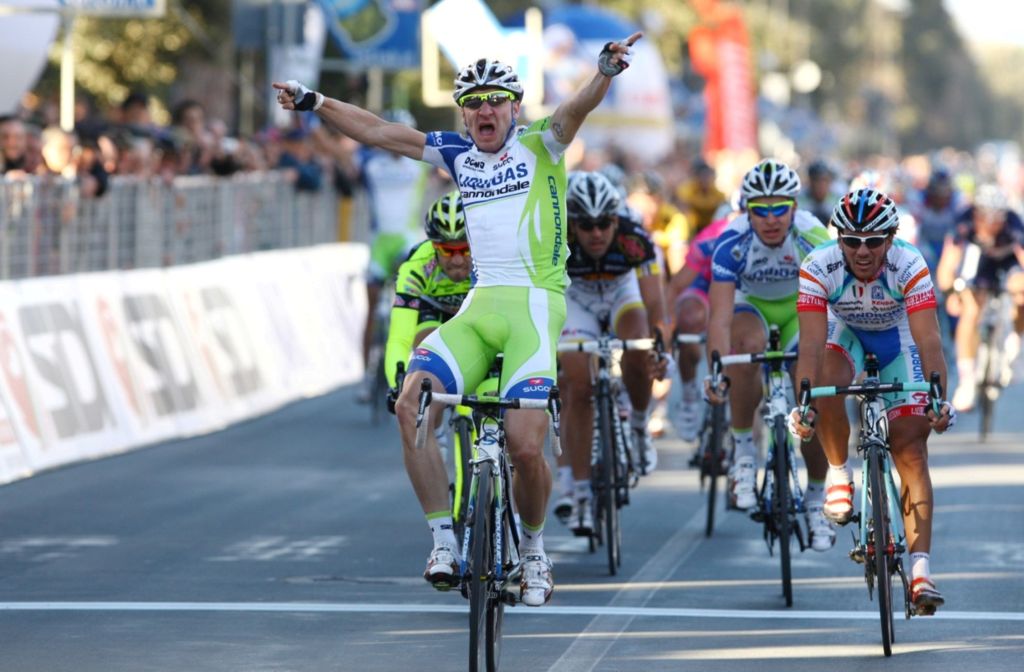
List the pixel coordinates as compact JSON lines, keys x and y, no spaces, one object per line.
{"x":755,"y":281}
{"x":512,"y":182}
{"x":615,"y":278}
{"x":870,"y":292}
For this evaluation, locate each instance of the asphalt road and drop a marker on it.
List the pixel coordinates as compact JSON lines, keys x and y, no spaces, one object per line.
{"x":294,"y":543}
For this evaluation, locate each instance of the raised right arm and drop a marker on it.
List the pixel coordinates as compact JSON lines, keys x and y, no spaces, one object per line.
{"x":355,"y":122}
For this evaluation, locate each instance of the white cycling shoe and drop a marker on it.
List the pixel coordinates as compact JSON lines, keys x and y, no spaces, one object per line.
{"x":686,"y":417}
{"x":536,"y":583}
{"x":822,"y":535}
{"x":581,"y":520}
{"x":965,"y":397}
{"x":743,"y":484}
{"x":442,"y":570}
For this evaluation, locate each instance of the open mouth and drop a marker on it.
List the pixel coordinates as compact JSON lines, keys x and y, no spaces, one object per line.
{"x":487,"y":128}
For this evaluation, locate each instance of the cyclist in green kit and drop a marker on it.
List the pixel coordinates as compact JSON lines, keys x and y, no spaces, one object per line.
{"x":513,"y":182}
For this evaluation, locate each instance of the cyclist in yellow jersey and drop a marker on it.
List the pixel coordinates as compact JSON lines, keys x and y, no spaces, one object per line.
{"x":512,"y":181}
{"x":432,"y":283}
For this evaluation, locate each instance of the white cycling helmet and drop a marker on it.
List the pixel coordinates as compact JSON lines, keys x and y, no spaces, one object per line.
{"x":865,"y":210}
{"x":485,"y":73}
{"x":770,"y":178}
{"x":591,"y":195}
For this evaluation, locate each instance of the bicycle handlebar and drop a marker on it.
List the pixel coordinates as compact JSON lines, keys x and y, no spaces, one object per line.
{"x":758,"y":357}
{"x":870,"y":387}
{"x":488,"y":403}
{"x":690,"y":339}
{"x":595,"y":345}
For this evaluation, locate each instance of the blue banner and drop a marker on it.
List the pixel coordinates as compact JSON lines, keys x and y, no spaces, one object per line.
{"x":376,"y":33}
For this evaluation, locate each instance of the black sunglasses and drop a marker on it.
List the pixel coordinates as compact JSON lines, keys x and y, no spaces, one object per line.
{"x":854,"y":242}
{"x":591,"y":224}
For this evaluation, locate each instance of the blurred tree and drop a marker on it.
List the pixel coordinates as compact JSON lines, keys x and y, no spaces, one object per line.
{"x":114,"y":56}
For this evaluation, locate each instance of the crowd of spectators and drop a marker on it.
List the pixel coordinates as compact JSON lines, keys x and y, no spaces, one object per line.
{"x":127,"y":141}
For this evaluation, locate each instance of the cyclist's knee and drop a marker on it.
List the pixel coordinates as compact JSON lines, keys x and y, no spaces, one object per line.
{"x":408,"y":402}
{"x":691,"y":318}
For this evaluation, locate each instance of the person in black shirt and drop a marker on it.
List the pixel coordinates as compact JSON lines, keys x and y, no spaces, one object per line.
{"x":984,"y":254}
{"x":616,"y":284}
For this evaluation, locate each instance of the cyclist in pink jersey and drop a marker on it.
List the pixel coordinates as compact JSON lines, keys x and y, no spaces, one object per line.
{"x":690,"y":288}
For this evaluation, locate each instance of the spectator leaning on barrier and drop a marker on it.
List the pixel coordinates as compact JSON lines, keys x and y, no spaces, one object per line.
{"x":298,"y":160}
{"x":13,"y":147}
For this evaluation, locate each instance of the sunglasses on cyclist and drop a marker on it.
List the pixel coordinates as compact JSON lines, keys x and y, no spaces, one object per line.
{"x":872,"y":242}
{"x":775,"y":209}
{"x":449,"y":249}
{"x":591,"y":224}
{"x":475,"y":101}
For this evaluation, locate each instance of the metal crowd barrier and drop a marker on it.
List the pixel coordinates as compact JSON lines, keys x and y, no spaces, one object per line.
{"x":47,"y":228}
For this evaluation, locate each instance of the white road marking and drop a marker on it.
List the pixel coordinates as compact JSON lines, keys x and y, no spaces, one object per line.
{"x":393,"y":608}
{"x":587,"y":650}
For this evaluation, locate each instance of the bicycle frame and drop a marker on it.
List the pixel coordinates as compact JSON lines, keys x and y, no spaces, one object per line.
{"x":488,"y":561}
{"x":780,"y":498}
{"x":884,"y":520}
{"x":612,"y":462}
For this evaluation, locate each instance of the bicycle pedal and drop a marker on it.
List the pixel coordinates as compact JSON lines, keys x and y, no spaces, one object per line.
{"x":858,"y":555}
{"x":757,"y":516}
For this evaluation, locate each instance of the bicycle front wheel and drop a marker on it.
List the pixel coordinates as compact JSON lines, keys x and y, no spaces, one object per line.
{"x":711,"y":462}
{"x":607,"y":503}
{"x":462,"y":455}
{"x":881,"y":533}
{"x":781,"y":504}
{"x":988,"y":383}
{"x":480,"y":569}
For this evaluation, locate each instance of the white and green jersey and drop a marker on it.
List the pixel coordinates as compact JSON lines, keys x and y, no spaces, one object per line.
{"x":515,"y":205}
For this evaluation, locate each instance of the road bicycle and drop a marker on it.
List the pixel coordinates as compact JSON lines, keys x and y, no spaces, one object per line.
{"x":880,"y":542}
{"x":991,"y":365}
{"x":614,"y":469}
{"x":780,"y":499}
{"x":490,"y":539}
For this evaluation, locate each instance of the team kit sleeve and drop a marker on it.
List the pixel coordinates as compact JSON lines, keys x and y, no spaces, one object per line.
{"x":918,"y":289}
{"x":813,"y":294}
{"x":725,"y":265}
{"x":405,"y":317}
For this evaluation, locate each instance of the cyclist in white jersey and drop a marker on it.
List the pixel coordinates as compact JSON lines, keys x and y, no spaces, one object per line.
{"x":512,"y":182}
{"x":755,"y":279}
{"x":870,"y":292}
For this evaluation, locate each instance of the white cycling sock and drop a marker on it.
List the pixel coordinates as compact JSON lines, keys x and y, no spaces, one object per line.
{"x":965,"y":371}
{"x":441,"y":527}
{"x":638,"y":419}
{"x":814,"y":495}
{"x":565,"y":480}
{"x":532,"y":540}
{"x":745,"y":447}
{"x":919,"y":565}
{"x":581,"y":489}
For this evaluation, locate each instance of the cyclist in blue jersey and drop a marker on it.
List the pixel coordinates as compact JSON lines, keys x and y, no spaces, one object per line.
{"x":512,"y":180}
{"x":755,"y":281}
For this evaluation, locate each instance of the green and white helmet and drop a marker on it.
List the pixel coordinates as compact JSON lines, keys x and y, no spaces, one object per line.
{"x":446,"y":219}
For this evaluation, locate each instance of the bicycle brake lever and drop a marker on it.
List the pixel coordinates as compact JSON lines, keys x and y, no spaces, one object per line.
{"x":425,"y":398}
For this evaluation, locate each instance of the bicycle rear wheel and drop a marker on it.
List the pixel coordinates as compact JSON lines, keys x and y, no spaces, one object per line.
{"x":781,"y":505}
{"x":481,"y":562}
{"x":711,"y":463}
{"x":607,"y":501}
{"x":881,"y":533}
{"x":987,"y":383}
